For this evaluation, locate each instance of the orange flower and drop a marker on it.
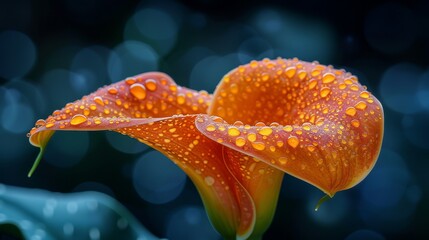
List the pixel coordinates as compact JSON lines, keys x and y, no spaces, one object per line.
{"x":265,"y":119}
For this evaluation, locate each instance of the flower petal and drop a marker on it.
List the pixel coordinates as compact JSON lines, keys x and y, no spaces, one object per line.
{"x":326,"y":129}
{"x":263,"y":183}
{"x":146,"y":95}
{"x":227,"y":202}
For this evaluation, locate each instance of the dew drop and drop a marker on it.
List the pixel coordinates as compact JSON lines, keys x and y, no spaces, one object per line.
{"x":364,"y":94}
{"x":78,"y":119}
{"x":342,"y":86}
{"x":311,"y":148}
{"x":240,"y":141}
{"x":351,"y":111}
{"x":93,"y":107}
{"x":290,"y":72}
{"x":99,"y":100}
{"x":130,"y":81}
{"x":354,"y":87}
{"x":97,"y":120}
{"x":324,"y":92}
{"x":233,"y":88}
{"x":40,"y":123}
{"x":210,"y":128}
{"x":355,"y":123}
{"x":288,"y":128}
{"x":253,"y":64}
{"x":312,"y":83}
{"x":258,"y":146}
{"x":265,"y":77}
{"x":151,"y":85}
{"x":315,"y":72}
{"x":293,"y":141}
{"x":328,"y":78}
{"x":138,"y":91}
{"x":251,"y":137}
{"x":306,"y":126}
{"x":265,"y":131}
{"x":181,"y":98}
{"x":233,"y":131}
{"x":282,"y":160}
{"x":112,"y":90}
{"x":50,"y":124}
{"x":209,"y":180}
{"x":302,"y":75}
{"x":360,"y":105}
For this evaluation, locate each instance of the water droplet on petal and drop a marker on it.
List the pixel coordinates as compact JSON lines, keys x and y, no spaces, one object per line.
{"x":138,"y":91}
{"x":112,"y":90}
{"x":306,"y":126}
{"x":151,"y":85}
{"x":290,"y":72}
{"x":351,"y":111}
{"x":181,"y":98}
{"x":364,"y":94}
{"x":265,"y":131}
{"x":355,"y":123}
{"x":282,"y":160}
{"x":99,"y":100}
{"x":360,"y":105}
{"x":328,"y":77}
{"x":251,"y":137}
{"x":233,"y":88}
{"x":293,"y":141}
{"x":130,"y":81}
{"x":240,"y":141}
{"x":78,"y":119}
{"x":312,"y":83}
{"x":302,"y":75}
{"x":258,"y":145}
{"x":40,"y":123}
{"x":97,"y":120}
{"x":210,"y":128}
{"x":209,"y":180}
{"x":233,"y":131}
{"x":324,"y":92}
{"x":288,"y":128}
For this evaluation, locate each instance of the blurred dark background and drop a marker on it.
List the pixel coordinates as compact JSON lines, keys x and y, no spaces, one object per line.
{"x":54,"y":52}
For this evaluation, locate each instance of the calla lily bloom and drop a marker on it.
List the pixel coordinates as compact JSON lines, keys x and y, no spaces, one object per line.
{"x":264,"y":119}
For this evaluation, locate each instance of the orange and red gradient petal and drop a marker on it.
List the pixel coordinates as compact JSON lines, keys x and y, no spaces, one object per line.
{"x":146,"y":95}
{"x":263,"y":183}
{"x":323,"y":126}
{"x":227,"y":202}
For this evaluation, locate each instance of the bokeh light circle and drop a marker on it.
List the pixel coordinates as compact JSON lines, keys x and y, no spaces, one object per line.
{"x":17,"y":54}
{"x":125,"y":144}
{"x":67,"y":149}
{"x":398,"y":88}
{"x":157,"y":179}
{"x":390,"y":28}
{"x":131,"y":58}
{"x":388,"y":197}
{"x":190,"y":223}
{"x":365,"y":234}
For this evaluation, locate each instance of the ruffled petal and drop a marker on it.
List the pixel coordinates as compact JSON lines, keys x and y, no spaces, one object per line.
{"x":227,"y":202}
{"x":323,"y":126}
{"x":146,"y":95}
